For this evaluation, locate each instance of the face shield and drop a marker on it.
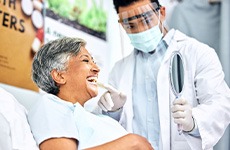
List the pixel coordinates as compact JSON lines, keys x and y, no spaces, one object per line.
{"x":140,"y":19}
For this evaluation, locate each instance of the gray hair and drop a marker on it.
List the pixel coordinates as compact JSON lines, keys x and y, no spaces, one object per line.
{"x":53,"y":55}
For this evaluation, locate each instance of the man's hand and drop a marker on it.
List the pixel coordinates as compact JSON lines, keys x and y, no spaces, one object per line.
{"x":182,"y":114}
{"x":111,"y":100}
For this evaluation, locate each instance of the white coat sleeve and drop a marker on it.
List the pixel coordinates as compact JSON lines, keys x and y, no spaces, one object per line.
{"x":213,"y":112}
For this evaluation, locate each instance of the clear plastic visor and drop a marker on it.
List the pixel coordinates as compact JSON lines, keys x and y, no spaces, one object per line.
{"x":140,"y":19}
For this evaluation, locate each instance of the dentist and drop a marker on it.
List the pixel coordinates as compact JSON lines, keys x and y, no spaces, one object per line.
{"x":150,"y":109}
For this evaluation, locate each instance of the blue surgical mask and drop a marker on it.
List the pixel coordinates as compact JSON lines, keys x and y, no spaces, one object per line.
{"x":148,"y":40}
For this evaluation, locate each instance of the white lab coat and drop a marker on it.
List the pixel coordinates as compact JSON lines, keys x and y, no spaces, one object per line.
{"x":204,"y":88}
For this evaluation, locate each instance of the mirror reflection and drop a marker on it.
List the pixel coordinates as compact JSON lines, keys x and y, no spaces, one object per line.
{"x":177,"y":74}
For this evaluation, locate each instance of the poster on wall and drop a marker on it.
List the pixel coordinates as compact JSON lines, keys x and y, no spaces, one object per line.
{"x":21,"y":35}
{"x":88,"y":16}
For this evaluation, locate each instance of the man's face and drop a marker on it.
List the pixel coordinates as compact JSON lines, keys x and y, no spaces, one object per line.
{"x":81,"y":76}
{"x":138,"y":17}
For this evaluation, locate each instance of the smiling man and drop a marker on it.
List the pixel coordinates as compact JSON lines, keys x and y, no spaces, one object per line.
{"x":67,"y":72}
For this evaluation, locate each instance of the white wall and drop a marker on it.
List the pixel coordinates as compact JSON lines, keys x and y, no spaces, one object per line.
{"x":119,"y":44}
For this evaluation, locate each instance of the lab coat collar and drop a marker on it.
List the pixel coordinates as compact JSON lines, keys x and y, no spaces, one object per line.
{"x":173,"y":38}
{"x":174,"y":35}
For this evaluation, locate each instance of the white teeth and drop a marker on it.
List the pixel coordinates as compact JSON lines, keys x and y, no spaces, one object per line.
{"x":92,"y":79}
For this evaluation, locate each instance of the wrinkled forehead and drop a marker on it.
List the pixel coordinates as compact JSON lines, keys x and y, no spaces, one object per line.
{"x":136,"y":11}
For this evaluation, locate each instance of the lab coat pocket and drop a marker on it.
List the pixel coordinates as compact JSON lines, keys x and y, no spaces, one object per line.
{"x":178,"y":142}
{"x":175,"y":133}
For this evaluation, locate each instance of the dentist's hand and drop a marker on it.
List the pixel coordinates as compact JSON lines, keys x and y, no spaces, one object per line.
{"x":182,"y":114}
{"x":111,"y":100}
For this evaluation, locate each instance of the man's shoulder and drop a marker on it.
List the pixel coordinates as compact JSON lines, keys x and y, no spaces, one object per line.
{"x":127,"y":58}
{"x":180,"y":36}
{"x":191,"y":44}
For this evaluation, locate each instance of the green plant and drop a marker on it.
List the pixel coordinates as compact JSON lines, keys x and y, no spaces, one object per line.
{"x":94,"y":17}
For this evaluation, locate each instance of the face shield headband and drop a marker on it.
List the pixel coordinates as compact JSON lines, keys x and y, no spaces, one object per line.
{"x":140,"y":19}
{"x":142,"y":27}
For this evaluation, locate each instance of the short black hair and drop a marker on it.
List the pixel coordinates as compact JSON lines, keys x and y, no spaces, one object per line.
{"x":123,"y":3}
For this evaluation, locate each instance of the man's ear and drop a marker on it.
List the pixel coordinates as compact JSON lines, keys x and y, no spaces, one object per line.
{"x":58,"y":76}
{"x":163,"y":12}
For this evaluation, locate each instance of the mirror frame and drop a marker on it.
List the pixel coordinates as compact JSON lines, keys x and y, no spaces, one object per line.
{"x":177,"y":91}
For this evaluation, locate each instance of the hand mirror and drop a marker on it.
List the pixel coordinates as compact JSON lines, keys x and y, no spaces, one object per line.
{"x":176,"y":74}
